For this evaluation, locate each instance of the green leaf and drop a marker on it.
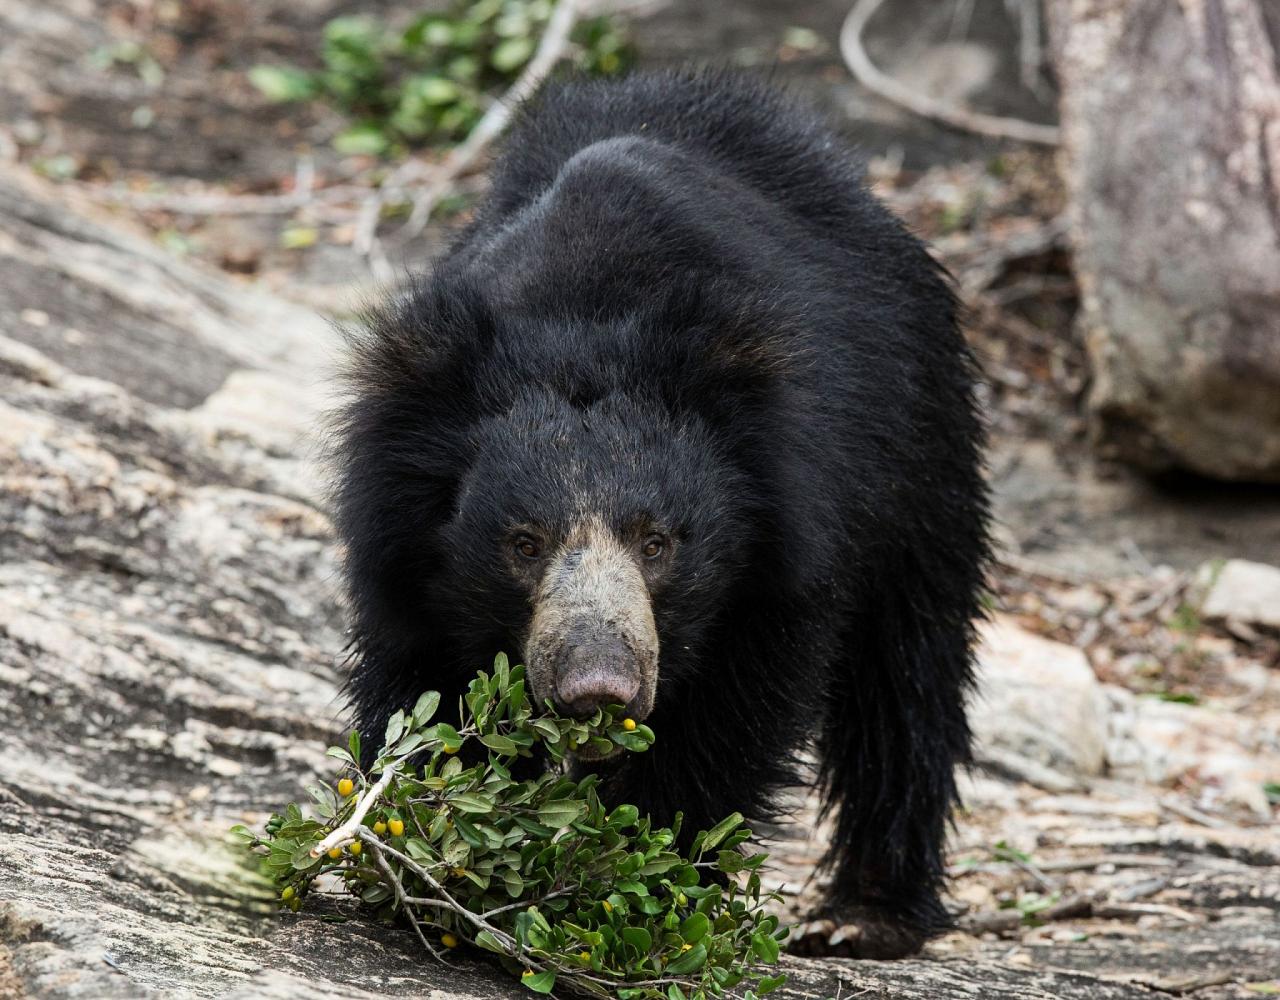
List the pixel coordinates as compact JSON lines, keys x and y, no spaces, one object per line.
{"x":730,"y":862}
{"x":768,"y":984}
{"x":638,"y":938}
{"x":488,"y":942}
{"x":282,"y":83}
{"x":560,"y":813}
{"x":376,"y":894}
{"x":721,"y":830}
{"x":435,"y":91}
{"x":549,"y":730}
{"x":469,"y":833}
{"x":395,"y":729}
{"x":690,"y":961}
{"x":511,"y":54}
{"x":498,"y":743}
{"x":425,"y":708}
{"x":540,"y":982}
{"x":765,"y":947}
{"x":366,"y":139}
{"x":471,"y":802}
{"x":695,"y":928}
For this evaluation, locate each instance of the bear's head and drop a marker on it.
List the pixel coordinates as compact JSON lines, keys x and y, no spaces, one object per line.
{"x":557,"y":490}
{"x":595,"y":531}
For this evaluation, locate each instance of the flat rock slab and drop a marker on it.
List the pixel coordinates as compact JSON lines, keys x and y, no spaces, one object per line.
{"x":170,"y":650}
{"x":1244,"y":591}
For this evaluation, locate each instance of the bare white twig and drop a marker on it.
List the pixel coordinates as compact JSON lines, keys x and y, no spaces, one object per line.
{"x":345,"y":833}
{"x":375,"y":848}
{"x":205,"y":203}
{"x":880,"y":83}
{"x":441,"y":178}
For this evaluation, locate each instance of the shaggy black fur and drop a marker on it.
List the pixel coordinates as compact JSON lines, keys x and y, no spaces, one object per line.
{"x":680,"y":303}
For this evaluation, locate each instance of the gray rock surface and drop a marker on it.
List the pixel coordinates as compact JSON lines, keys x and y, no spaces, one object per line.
{"x":1243,"y":591}
{"x":169,"y":665}
{"x":1170,"y":116}
{"x":1039,"y":700}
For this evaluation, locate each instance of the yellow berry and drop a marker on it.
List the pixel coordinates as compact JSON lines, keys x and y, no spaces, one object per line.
{"x":585,"y":956}
{"x":396,"y":826}
{"x":629,"y":724}
{"x":288,"y":893}
{"x":608,"y":907}
{"x":345,"y":787}
{"x":335,"y":853}
{"x":356,"y":848}
{"x":379,"y":828}
{"x":447,"y":748}
{"x":449,"y":941}
{"x":295,"y":904}
{"x":685,"y":947}
{"x":682,"y":900}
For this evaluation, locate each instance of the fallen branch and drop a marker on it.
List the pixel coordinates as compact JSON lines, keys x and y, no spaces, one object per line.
{"x":998,"y":921}
{"x":403,"y":901}
{"x":880,"y":83}
{"x":442,"y":177}
{"x":345,"y":833}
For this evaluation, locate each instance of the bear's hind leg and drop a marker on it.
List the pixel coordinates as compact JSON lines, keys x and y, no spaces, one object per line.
{"x":894,"y":734}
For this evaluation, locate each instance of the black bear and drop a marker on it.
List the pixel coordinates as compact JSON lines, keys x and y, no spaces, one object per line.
{"x":684,"y":420}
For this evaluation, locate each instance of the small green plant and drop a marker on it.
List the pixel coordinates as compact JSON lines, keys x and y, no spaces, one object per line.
{"x":1186,"y":619}
{"x":1176,"y":697}
{"x":430,"y":82}
{"x":563,"y":889}
{"x":1031,"y":904}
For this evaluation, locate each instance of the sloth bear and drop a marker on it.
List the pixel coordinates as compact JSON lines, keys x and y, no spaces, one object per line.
{"x":684,"y":420}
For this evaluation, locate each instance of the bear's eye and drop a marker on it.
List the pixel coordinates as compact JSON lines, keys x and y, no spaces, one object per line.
{"x":527,"y":548}
{"x":653,"y":546}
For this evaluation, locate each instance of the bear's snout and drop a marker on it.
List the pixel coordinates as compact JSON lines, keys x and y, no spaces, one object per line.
{"x":592,"y":640}
{"x":592,"y":675}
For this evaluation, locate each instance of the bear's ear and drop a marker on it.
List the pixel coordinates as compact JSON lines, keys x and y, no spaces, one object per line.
{"x":420,"y":336}
{"x":723,"y":345}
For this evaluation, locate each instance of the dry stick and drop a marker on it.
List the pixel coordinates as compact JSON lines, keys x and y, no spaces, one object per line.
{"x":461,"y":158}
{"x":342,"y":835}
{"x":376,"y":850}
{"x":870,"y":76}
{"x":205,"y":203}
{"x":475,"y":920}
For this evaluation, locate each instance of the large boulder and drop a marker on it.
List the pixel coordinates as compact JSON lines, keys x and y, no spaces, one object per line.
{"x":1039,"y":701}
{"x":1171,"y":127}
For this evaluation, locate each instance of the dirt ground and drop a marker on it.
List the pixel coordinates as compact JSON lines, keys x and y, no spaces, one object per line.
{"x":1154,"y":870}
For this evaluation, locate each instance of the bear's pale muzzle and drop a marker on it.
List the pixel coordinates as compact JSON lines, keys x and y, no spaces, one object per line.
{"x":592,"y":640}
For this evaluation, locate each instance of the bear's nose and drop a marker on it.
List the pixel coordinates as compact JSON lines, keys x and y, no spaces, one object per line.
{"x":594,"y":674}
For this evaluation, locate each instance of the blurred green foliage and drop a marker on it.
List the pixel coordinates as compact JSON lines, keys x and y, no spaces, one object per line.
{"x":430,"y":82}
